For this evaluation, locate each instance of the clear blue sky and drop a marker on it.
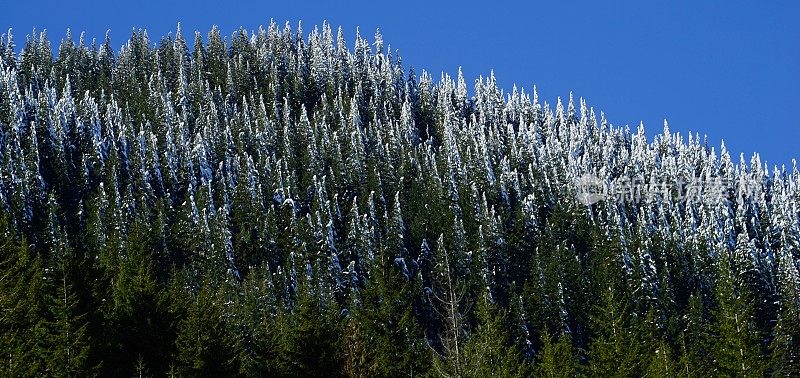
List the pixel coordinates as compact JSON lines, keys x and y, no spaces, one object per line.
{"x":728,"y":69}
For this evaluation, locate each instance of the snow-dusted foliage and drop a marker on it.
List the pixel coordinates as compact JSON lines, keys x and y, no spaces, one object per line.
{"x":309,"y":190}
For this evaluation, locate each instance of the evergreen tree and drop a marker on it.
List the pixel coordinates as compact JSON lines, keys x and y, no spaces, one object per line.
{"x":737,"y":349}
{"x":24,"y":310}
{"x":696,"y":340}
{"x":205,"y":346}
{"x":557,"y":358}
{"x":68,"y":343}
{"x":450,"y":297}
{"x":140,"y":320}
{"x":615,"y":351}
{"x":310,"y":336}
{"x":489,"y":351}
{"x":388,"y":338}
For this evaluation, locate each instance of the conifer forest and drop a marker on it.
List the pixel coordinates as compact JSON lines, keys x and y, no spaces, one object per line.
{"x":291,"y":202}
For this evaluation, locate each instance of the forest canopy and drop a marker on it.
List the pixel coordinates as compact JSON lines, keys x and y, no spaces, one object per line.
{"x":283,"y":203}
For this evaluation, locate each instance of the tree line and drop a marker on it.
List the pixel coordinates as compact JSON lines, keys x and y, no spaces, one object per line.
{"x":281,"y":204}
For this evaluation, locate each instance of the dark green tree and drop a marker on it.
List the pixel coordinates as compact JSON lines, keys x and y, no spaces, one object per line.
{"x":23,"y":306}
{"x":557,"y":358}
{"x":204,"y":343}
{"x":737,"y":348}
{"x":310,"y":340}
{"x":140,"y":320}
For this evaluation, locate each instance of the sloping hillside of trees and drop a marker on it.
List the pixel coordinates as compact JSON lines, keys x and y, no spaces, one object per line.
{"x":285,"y":203}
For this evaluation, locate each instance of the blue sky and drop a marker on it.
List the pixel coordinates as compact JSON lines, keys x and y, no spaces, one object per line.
{"x":728,"y":69}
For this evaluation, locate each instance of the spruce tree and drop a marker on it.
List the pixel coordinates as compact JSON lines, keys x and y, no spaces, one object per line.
{"x":557,"y":358}
{"x":310,"y":338}
{"x":204,"y":343}
{"x":68,"y":342}
{"x":489,"y":351}
{"x":737,"y":348}
{"x":140,"y":321}
{"x":23,"y":322}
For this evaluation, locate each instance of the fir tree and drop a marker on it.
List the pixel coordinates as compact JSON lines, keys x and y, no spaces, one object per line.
{"x":737,"y":349}
{"x":204,"y":343}
{"x":557,"y":358}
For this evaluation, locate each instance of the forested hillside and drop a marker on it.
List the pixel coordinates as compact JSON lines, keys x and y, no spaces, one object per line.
{"x":294,"y":203}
